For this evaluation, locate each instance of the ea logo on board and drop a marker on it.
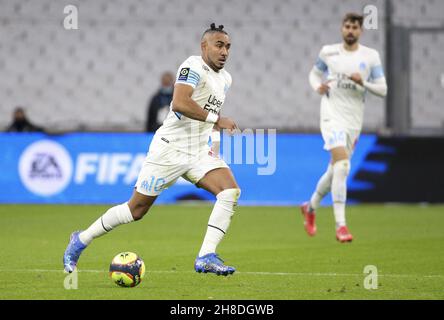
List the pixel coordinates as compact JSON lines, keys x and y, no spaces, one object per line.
{"x":45,"y":168}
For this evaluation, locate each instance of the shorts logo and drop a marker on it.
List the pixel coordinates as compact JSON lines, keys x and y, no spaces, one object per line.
{"x":145,"y":185}
{"x":45,"y":168}
{"x":184,"y":74}
{"x":153,"y":183}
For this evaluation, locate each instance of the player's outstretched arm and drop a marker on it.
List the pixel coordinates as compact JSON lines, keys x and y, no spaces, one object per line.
{"x":184,"y":104}
{"x":377,"y":86}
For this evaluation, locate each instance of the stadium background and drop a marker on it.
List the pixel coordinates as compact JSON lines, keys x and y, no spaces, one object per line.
{"x":90,"y":87}
{"x":99,"y":79}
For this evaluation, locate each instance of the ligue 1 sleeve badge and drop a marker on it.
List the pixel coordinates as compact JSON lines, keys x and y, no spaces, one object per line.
{"x":184,"y":74}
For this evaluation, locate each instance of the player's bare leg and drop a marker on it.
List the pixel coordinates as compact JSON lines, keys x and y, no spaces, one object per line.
{"x":341,"y":169}
{"x":222,"y":184}
{"x":127,"y":212}
{"x":218,"y":180}
{"x":139,"y":204}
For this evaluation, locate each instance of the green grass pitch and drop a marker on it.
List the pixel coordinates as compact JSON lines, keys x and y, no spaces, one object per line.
{"x":274,"y":257}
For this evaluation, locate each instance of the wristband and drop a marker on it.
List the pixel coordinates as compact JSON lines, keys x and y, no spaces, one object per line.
{"x":212,"y":117}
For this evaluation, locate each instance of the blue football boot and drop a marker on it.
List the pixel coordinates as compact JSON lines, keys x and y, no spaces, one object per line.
{"x":212,"y":263}
{"x":72,"y":252}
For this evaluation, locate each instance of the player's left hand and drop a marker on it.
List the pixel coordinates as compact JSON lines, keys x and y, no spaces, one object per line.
{"x":356,"y":77}
{"x":227,"y":123}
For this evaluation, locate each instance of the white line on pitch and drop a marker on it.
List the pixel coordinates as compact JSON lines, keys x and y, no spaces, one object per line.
{"x":301,"y":274}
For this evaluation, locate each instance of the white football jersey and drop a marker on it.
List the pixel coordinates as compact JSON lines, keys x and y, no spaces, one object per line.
{"x":210,"y":87}
{"x":343,"y":106}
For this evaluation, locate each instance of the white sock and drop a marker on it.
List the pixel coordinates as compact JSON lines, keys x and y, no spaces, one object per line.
{"x":322,"y":188}
{"x":339,"y":211}
{"x":220,"y":219}
{"x":341,"y":170}
{"x":112,"y":218}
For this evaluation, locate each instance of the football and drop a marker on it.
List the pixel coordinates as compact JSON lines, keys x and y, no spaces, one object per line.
{"x":127,"y":269}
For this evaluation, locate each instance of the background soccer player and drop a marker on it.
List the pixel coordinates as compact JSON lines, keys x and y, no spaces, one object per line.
{"x":350,"y":70}
{"x":180,"y":148}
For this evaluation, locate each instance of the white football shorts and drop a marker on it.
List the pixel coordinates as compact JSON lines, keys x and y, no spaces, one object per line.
{"x":340,"y":137}
{"x":163,"y":165}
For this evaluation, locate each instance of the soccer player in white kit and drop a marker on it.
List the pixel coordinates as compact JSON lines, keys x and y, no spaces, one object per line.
{"x":342,"y":75}
{"x":180,"y":149}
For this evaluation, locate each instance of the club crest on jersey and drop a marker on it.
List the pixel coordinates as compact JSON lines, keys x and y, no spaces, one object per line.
{"x":362,"y":66}
{"x":184,"y":72}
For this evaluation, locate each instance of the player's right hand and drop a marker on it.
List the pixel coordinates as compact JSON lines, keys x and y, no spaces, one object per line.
{"x":324,"y":88}
{"x":227,"y":123}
